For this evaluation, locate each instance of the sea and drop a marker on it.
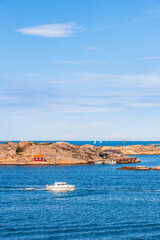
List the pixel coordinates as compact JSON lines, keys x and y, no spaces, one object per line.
{"x":107,"y":203}
{"x":101,"y":143}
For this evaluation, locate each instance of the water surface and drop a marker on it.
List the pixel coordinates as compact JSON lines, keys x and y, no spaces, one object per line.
{"x":107,"y":203}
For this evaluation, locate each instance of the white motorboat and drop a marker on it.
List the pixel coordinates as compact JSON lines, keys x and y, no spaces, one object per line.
{"x":98,"y":162}
{"x":60,"y":187}
{"x":110,"y":162}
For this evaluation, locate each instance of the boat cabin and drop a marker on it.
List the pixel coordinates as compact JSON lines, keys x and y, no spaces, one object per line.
{"x":38,"y":158}
{"x":60,"y":183}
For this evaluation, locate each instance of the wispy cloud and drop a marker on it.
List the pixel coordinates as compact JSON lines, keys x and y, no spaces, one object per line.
{"x":102,"y":94}
{"x":58,"y":82}
{"x":18,"y":112}
{"x":149,"y":58}
{"x":140,"y":80}
{"x":89,"y":110}
{"x":90,"y":48}
{"x":80,"y":62}
{"x":143,"y":104}
{"x":145,"y":19}
{"x":134,"y":21}
{"x":51,"y":30}
{"x":63,"y":124}
{"x":5,"y":98}
{"x":31,"y":75}
{"x":77,"y":109}
{"x":97,"y":123}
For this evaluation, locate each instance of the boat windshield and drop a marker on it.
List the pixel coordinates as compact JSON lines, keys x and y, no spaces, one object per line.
{"x":60,"y":183}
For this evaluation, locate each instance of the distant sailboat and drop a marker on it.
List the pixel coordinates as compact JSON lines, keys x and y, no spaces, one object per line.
{"x":124,"y":142}
{"x":100,"y":141}
{"x":94,"y":141}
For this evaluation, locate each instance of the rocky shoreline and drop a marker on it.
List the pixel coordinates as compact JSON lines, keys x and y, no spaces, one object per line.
{"x":60,"y":153}
{"x":135,"y":149}
{"x":139,"y":168}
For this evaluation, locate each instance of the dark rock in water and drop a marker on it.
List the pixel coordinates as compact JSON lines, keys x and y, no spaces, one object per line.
{"x":137,"y":168}
{"x":157,"y":168}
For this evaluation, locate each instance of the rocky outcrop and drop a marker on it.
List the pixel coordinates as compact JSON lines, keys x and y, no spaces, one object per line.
{"x":125,"y":159}
{"x":59,"y":153}
{"x":139,"y":168}
{"x":117,"y":156}
{"x":156,"y":168}
{"x":134,"y":149}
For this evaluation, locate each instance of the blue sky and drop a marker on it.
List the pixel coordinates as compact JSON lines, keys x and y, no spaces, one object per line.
{"x":79,"y":70}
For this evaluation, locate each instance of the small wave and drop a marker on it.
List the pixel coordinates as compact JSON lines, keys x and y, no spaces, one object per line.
{"x":22,"y":189}
{"x":29,"y":189}
{"x":84,"y":190}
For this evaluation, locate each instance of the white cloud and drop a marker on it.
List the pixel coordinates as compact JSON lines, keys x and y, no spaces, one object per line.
{"x":143,"y":104}
{"x":90,"y":48}
{"x":134,"y":21}
{"x":68,"y":108}
{"x":56,"y":82}
{"x":50,"y":30}
{"x":18,"y":112}
{"x":97,"y":123}
{"x":63,"y":124}
{"x":90,"y":110}
{"x":31,"y":75}
{"x":4,"y":98}
{"x":135,"y":80}
{"x":80,"y":62}
{"x":146,"y":19}
{"x":149,"y":58}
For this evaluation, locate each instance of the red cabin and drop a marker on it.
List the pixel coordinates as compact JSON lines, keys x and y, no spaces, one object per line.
{"x":38,"y":158}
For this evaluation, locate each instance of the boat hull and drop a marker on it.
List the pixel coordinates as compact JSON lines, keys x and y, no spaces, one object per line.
{"x":60,"y":189}
{"x":98,"y":162}
{"x":110,"y":162}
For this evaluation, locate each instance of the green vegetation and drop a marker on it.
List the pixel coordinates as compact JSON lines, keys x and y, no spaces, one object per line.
{"x":18,"y":150}
{"x":46,"y":143}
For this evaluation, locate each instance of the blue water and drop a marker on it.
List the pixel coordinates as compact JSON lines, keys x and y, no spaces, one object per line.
{"x":105,"y":143}
{"x":107,"y":203}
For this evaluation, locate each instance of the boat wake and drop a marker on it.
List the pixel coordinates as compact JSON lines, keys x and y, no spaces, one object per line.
{"x":23,"y":189}
{"x":80,"y":190}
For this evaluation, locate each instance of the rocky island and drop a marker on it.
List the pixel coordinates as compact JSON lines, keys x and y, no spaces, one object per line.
{"x":139,"y":168}
{"x":61,"y":153}
{"x":135,"y":149}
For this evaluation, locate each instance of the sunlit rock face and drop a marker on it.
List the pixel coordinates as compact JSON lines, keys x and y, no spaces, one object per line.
{"x":135,"y":149}
{"x":60,"y":153}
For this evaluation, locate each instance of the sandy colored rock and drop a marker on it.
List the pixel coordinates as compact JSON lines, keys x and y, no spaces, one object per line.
{"x":25,"y":145}
{"x":59,"y":153}
{"x":156,"y":168}
{"x":135,"y":149}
